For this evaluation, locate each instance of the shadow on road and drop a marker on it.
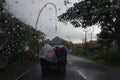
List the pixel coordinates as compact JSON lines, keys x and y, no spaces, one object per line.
{"x":53,"y":75}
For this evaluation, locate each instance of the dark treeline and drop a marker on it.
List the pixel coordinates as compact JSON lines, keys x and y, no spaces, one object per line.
{"x":15,"y":37}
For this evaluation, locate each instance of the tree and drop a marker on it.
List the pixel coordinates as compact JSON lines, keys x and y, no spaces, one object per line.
{"x":14,"y":34}
{"x":104,"y":13}
{"x":105,"y":38}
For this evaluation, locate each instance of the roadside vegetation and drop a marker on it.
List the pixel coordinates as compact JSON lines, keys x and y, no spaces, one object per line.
{"x":111,"y":57}
{"x":19,"y":42}
{"x":102,"y":13}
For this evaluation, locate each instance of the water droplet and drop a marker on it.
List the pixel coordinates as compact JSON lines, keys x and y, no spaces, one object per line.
{"x":88,"y":2}
{"x":17,"y":34}
{"x":21,"y":43}
{"x":111,"y":0}
{"x":59,"y":9}
{"x":19,"y":50}
{"x":50,"y":8}
{"x":9,"y":52}
{"x":16,"y":43}
{"x":16,"y":2}
{"x":13,"y":45}
{"x":32,"y":2}
{"x":3,"y":11}
{"x":13,"y":16}
{"x":6,"y":50}
{"x":8,"y":32}
{"x":31,"y":14}
{"x":14,"y":29}
{"x":13,"y":49}
{"x":21,"y":28}
{"x":6,"y":21}
{"x":35,"y":37}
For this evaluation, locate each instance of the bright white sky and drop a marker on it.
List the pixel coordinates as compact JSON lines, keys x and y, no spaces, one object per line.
{"x":27,"y":11}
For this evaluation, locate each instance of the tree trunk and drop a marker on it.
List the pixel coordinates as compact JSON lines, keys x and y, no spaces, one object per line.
{"x":106,"y":53}
{"x":118,"y":43}
{"x":117,"y":36}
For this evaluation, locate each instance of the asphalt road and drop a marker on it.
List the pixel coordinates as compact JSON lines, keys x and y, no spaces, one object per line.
{"x":77,"y":69}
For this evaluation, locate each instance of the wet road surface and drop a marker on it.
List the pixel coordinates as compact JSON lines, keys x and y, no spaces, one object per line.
{"x":77,"y":69}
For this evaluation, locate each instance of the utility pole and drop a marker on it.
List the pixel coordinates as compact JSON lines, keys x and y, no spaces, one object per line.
{"x":91,"y":32}
{"x":85,"y":35}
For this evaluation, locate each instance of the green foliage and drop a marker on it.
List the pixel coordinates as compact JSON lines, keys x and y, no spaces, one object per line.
{"x":15,"y":36}
{"x":19,"y":58}
{"x":114,"y":55}
{"x":80,"y":51}
{"x":105,"y":37}
{"x":69,"y":45}
{"x":112,"y":58}
{"x":95,"y":12}
{"x":99,"y":56}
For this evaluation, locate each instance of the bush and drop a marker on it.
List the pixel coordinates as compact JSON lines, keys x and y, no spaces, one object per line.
{"x":80,"y":51}
{"x":19,"y":58}
{"x":113,"y":54}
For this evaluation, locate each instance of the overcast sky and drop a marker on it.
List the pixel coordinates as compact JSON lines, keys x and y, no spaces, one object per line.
{"x":27,"y":11}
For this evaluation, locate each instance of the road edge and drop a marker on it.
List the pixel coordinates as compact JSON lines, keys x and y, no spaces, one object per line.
{"x":17,"y":78}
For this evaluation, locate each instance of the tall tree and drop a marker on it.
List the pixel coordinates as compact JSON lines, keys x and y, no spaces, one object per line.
{"x":105,"y":13}
{"x":105,"y":38}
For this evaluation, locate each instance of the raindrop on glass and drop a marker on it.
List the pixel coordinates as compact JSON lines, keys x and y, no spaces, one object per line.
{"x":33,"y":2}
{"x":14,"y":29}
{"x":6,"y":50}
{"x":21,"y":28}
{"x":13,"y":16}
{"x":50,"y":19}
{"x":35,"y":37}
{"x":19,"y":50}
{"x":3,"y":11}
{"x":16,"y":2}
{"x":13,"y":45}
{"x":17,"y":34}
{"x":88,"y":2}
{"x":6,"y":21}
{"x":9,"y":52}
{"x":111,"y":0}
{"x":13,"y":49}
{"x":59,"y":9}
{"x":50,"y":8}
{"x":21,"y":43}
{"x":8,"y":32}
{"x":31,"y":14}
{"x":18,"y":26}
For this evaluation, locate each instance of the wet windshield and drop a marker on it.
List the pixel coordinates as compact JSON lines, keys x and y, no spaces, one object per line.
{"x":79,"y":39}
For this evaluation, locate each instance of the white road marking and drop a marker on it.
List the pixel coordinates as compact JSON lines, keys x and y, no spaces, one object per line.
{"x":81,"y":74}
{"x":24,"y":73}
